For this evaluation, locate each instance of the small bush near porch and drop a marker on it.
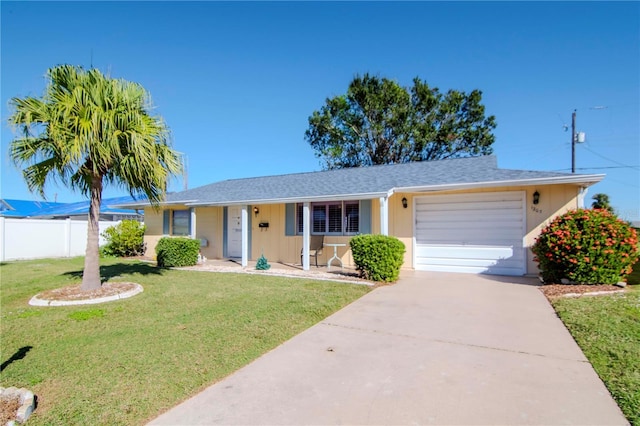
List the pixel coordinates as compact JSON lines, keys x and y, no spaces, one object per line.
{"x":124,"y":239}
{"x":378,"y":257}
{"x":171,"y":252}
{"x":126,"y":362}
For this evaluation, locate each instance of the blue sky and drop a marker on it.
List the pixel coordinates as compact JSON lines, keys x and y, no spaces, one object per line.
{"x":236,"y":82}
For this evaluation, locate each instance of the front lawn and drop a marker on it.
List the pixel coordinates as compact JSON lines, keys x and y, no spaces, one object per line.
{"x":126,"y":362}
{"x":607,"y":328}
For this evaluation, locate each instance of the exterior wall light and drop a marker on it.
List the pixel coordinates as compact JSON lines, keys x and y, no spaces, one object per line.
{"x":536,"y":197}
{"x":404,"y":202}
{"x":256,"y":210}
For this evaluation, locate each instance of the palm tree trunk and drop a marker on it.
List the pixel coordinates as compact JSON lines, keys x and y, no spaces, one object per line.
{"x":91,"y":274}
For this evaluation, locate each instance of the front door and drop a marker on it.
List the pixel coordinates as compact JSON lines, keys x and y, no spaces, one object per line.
{"x":234,"y":234}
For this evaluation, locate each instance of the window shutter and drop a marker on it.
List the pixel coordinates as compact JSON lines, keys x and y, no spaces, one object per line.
{"x":166,"y":218}
{"x":365,"y":216}
{"x":290,"y":220}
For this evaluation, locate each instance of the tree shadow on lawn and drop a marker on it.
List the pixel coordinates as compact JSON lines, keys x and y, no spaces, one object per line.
{"x":20,"y":354}
{"x":117,"y":270}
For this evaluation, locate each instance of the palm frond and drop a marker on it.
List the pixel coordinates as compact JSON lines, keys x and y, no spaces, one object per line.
{"x":88,"y":126}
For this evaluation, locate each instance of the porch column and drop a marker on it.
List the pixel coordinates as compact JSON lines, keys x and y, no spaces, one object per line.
{"x":192,"y":231}
{"x":306,"y":235}
{"x":245,"y":236}
{"x":384,"y":215}
{"x":582,"y":193}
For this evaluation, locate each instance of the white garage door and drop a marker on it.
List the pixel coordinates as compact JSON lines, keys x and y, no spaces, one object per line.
{"x":474,"y":233}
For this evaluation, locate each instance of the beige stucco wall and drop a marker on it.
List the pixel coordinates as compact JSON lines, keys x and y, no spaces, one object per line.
{"x":401,"y":224}
{"x":271,"y":241}
{"x":209,"y":226}
{"x":277,"y":247}
{"x":153,"y":222}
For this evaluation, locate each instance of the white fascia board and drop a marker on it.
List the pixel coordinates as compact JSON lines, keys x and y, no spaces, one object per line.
{"x":148,"y":204}
{"x":337,"y":197}
{"x":583,"y":180}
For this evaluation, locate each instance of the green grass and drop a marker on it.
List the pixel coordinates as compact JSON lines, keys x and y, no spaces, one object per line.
{"x":607,"y":328}
{"x":126,"y":362}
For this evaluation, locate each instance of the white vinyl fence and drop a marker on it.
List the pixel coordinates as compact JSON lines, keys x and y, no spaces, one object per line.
{"x":36,"y":238}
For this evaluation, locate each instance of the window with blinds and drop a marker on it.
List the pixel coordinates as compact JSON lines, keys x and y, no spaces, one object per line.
{"x":334,"y":218}
{"x":181,"y":222}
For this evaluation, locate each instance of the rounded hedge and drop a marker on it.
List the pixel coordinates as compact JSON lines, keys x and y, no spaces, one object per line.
{"x":377,"y":257}
{"x":177,"y":252}
{"x":124,"y":239}
{"x":586,"y":246}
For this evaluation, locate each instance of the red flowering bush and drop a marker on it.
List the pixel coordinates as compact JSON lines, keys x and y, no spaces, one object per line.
{"x":586,"y":247}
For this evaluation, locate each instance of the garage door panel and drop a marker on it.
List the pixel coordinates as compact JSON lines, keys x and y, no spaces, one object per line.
{"x":476,"y":233}
{"x":459,"y":216}
{"x":463,"y":236}
{"x":482,"y":253}
{"x":493,"y":270}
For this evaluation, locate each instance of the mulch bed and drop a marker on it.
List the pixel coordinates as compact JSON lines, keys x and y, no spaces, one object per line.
{"x":8,"y":409}
{"x":73,"y":292}
{"x":553,"y":291}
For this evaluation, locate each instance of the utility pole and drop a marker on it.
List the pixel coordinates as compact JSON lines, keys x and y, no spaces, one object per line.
{"x":573,"y":142}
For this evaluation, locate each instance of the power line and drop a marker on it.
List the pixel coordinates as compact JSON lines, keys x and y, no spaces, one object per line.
{"x":598,"y":168}
{"x":609,"y":159}
{"x":622,"y":182}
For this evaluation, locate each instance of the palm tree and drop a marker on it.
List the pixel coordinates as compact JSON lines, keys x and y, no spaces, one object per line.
{"x":88,"y":130}
{"x":601,"y":201}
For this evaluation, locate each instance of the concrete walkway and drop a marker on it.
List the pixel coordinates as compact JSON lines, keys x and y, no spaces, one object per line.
{"x":436,"y":348}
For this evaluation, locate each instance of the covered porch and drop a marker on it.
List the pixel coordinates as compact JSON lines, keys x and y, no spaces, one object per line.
{"x":344,"y":274}
{"x":245,"y":227}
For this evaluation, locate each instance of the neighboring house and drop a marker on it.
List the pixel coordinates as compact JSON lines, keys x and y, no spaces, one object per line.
{"x":74,"y":211}
{"x":459,"y":215}
{"x":23,"y":208}
{"x":80,"y":210}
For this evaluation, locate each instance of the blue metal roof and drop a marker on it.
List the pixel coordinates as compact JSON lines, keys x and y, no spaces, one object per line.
{"x":24,"y":208}
{"x":82,"y":208}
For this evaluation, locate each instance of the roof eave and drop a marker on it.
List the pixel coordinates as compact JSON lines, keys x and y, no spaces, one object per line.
{"x":142,"y":205}
{"x":581,"y":180}
{"x":338,"y":197}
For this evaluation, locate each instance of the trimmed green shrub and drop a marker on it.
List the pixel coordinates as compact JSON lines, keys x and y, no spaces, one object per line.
{"x":378,"y":257}
{"x":124,"y":239}
{"x":177,"y":252}
{"x":586,"y":246}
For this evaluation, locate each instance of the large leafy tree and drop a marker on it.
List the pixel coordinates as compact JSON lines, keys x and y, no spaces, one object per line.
{"x":380,"y":122}
{"x":88,"y":130}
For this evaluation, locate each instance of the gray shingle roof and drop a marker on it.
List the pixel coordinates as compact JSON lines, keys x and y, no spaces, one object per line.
{"x":368,"y":182}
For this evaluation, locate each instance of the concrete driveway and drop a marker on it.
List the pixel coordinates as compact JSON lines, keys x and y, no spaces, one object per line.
{"x":435,"y":348}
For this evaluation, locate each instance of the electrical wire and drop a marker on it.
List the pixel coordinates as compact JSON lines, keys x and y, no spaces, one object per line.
{"x":609,"y":159}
